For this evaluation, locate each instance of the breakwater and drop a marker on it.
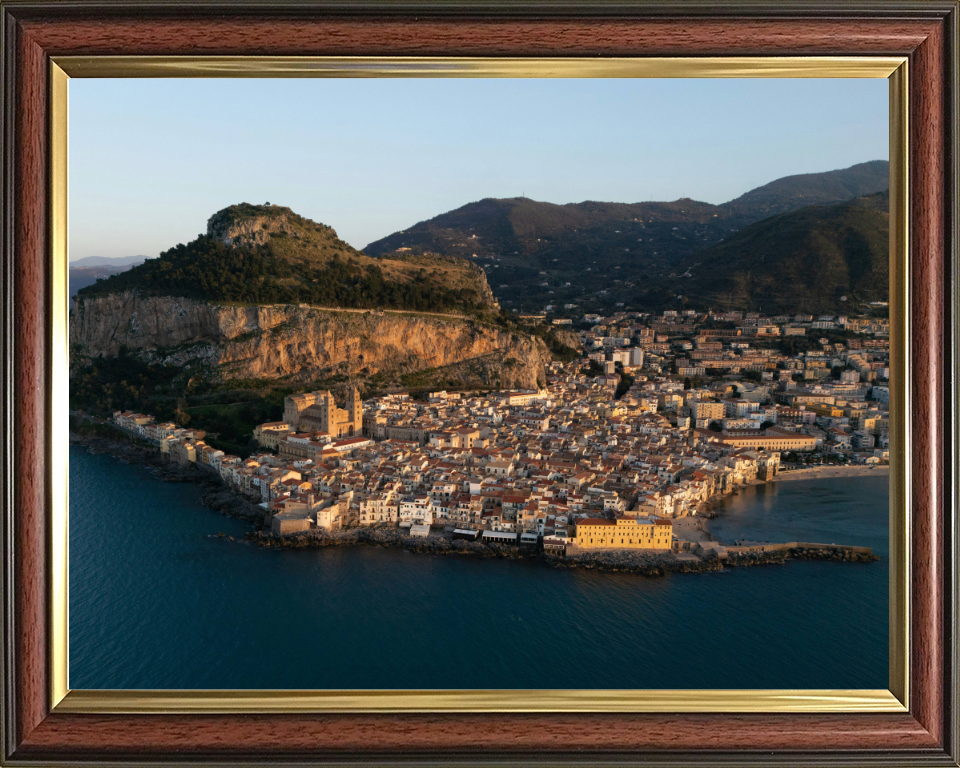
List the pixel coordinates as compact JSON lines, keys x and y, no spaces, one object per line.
{"x":763,"y":554}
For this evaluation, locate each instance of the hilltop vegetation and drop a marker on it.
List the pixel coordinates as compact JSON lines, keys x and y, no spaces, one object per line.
{"x":269,"y":255}
{"x":208,"y":270}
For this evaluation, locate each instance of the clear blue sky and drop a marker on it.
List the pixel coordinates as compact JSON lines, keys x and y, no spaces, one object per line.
{"x":152,"y":160}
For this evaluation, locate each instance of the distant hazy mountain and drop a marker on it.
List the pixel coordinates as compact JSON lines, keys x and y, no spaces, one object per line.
{"x":82,"y":276}
{"x":805,"y":260}
{"x":104,"y":261}
{"x":536,"y":252}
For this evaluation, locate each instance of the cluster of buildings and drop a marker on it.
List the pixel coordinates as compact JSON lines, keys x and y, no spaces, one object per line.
{"x":577,"y":465}
{"x":833,"y":392}
{"x":185,"y":446}
{"x":690,"y":343}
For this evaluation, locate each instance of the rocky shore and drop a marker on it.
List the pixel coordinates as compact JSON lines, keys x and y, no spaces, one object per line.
{"x":619,"y":561}
{"x":643,"y":563}
{"x":228,"y":503}
{"x":435,"y":544}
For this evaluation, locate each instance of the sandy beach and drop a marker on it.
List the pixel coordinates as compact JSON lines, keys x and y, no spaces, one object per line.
{"x":691,"y":528}
{"x":817,"y":473}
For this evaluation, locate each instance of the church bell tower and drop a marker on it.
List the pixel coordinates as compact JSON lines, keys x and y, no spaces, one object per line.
{"x":355,"y":409}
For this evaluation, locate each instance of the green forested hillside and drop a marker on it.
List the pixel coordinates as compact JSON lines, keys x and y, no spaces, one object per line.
{"x":806,"y":260}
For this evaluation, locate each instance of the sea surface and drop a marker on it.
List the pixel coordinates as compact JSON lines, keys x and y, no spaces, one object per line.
{"x":158,"y":600}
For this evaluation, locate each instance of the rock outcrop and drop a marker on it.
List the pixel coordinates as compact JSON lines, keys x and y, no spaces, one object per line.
{"x":300,"y":343}
{"x":246,"y":226}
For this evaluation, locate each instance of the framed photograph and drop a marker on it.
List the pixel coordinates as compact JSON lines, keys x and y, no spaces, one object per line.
{"x":426,"y":383}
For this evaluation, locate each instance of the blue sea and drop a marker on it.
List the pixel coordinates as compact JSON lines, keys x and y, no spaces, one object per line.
{"x":158,"y":600}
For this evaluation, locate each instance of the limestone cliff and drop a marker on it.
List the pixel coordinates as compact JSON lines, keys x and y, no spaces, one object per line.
{"x":299,"y":343}
{"x":570,"y":338}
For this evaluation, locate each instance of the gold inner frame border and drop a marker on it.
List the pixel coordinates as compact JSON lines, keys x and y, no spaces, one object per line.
{"x":894,"y":699}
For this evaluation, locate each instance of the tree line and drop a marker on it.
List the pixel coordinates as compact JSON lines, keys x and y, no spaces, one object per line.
{"x":206,"y":269}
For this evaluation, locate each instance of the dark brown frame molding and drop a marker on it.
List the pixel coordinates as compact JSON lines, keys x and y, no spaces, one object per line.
{"x":925,"y":32}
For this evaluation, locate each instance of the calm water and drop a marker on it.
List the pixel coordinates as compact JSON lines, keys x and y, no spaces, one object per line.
{"x":157,"y":601}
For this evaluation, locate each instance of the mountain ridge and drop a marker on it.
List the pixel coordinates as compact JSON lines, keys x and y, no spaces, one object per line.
{"x":538,"y":253}
{"x":781,"y":195}
{"x":108,"y":261}
{"x":517,"y":250}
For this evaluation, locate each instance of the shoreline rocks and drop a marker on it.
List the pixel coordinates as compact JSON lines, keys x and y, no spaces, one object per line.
{"x":229,"y":503}
{"x":387,"y":537}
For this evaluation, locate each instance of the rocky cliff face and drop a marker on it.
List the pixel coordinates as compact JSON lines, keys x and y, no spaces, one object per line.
{"x":255,"y":231}
{"x":299,"y":343}
{"x":570,"y":338}
{"x":486,"y":293}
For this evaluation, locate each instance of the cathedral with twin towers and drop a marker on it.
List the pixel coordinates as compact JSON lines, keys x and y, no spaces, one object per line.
{"x":318,"y":412}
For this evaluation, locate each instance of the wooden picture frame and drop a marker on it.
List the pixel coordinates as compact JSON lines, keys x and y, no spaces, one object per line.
{"x":36,"y":35}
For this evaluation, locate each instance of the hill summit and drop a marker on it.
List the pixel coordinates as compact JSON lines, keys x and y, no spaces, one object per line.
{"x":248,"y":226}
{"x":792,"y":192}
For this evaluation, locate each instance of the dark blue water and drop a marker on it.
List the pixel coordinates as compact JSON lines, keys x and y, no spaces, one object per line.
{"x":155,"y":602}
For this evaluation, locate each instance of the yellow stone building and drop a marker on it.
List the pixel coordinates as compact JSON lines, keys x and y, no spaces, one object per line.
{"x":826,"y":409}
{"x":625,"y":532}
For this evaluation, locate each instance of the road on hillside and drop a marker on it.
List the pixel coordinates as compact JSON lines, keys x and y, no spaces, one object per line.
{"x":381,"y":311}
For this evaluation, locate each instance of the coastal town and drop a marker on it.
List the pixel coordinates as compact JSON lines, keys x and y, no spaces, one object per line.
{"x":626,"y":448}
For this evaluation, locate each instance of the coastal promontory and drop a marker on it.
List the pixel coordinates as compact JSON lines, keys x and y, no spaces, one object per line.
{"x":267,"y":294}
